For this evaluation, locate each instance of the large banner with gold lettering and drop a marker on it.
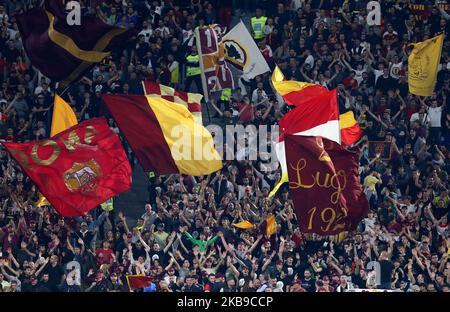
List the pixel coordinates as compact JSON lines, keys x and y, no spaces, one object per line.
{"x":77,"y":169}
{"x":324,"y":184}
{"x":355,"y":199}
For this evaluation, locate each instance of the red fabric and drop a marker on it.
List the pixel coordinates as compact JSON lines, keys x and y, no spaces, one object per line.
{"x":316,"y":111}
{"x":139,"y":281}
{"x":104,"y":256}
{"x":324,"y":183}
{"x":78,"y":169}
{"x":138,"y":123}
{"x":356,"y":200}
{"x":350,"y":135}
{"x":306,"y":96}
{"x":319,"y":208}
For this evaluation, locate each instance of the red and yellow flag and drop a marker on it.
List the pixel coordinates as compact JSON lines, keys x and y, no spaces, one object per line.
{"x":77,"y":169}
{"x":164,"y":135}
{"x":350,"y":130}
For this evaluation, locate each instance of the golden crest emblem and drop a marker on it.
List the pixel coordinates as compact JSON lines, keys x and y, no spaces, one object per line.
{"x":82,"y":176}
{"x":420,"y":67}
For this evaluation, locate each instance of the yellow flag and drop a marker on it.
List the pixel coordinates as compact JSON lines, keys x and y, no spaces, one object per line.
{"x":42,"y":201}
{"x":271,"y":227}
{"x":245,"y":225}
{"x":423,"y":65}
{"x":63,"y":116}
{"x":339,"y":238}
{"x":284,"y":87}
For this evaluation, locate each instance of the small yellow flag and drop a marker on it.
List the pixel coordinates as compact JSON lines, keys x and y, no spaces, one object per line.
{"x":271,"y":227}
{"x":423,"y":65}
{"x":339,"y":238}
{"x":63,"y":116}
{"x":42,"y":201}
{"x":245,"y":225}
{"x":284,"y":87}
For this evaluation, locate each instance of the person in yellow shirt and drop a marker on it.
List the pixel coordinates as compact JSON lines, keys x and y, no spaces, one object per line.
{"x":370,"y":183}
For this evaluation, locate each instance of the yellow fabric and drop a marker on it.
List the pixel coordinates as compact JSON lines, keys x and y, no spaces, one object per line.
{"x":63,"y":116}
{"x":192,"y":98}
{"x":245,"y":225}
{"x":42,"y":201}
{"x":347,"y":120}
{"x":284,"y":87}
{"x":191,"y":144}
{"x":284,"y":178}
{"x":339,"y":238}
{"x":99,"y":46}
{"x":423,"y":64}
{"x":271,"y":227}
{"x":370,"y":182}
{"x":70,"y":46}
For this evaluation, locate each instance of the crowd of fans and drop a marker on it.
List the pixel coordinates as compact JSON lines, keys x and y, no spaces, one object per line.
{"x":184,"y":239}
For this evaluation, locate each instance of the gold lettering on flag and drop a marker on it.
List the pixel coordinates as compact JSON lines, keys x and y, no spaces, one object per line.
{"x":327,"y":182}
{"x":70,"y":144}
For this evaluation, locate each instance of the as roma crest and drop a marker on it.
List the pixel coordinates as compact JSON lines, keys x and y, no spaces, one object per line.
{"x":82,"y":176}
{"x":236,"y":54}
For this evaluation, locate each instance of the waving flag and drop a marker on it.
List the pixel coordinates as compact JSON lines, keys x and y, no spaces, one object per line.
{"x":216,"y":75}
{"x":350,"y":130}
{"x":63,"y":116}
{"x":324,"y":183}
{"x":242,"y":53}
{"x":316,"y":186}
{"x":356,"y":201}
{"x":63,"y":52}
{"x":164,"y":135}
{"x":423,"y":65}
{"x":77,"y":169}
{"x":192,"y":101}
{"x":316,"y":113}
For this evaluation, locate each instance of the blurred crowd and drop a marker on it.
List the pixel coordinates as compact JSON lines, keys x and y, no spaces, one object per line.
{"x":185,"y":239}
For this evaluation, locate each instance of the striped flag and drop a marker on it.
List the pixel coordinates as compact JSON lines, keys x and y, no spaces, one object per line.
{"x":192,"y":101}
{"x":316,"y":113}
{"x":164,"y":135}
{"x":350,"y":130}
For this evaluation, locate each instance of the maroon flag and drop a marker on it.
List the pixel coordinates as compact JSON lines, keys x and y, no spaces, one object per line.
{"x":138,"y":281}
{"x":316,"y":186}
{"x":356,"y":200}
{"x":65,"y":52}
{"x":215,"y":72}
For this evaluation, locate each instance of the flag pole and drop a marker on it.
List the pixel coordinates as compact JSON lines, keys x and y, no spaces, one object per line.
{"x":199,"y":50}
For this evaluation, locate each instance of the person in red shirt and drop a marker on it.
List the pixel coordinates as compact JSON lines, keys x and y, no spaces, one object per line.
{"x":350,"y":82}
{"x":246,"y":110}
{"x":104,"y":254}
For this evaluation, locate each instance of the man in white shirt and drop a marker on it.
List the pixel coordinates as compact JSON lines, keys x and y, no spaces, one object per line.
{"x":435,"y":115}
{"x":421,"y":116}
{"x":259,"y":86}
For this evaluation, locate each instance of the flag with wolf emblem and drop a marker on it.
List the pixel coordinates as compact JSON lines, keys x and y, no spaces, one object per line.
{"x":77,"y":169}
